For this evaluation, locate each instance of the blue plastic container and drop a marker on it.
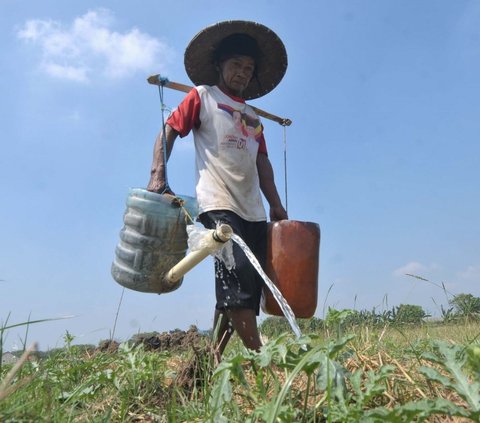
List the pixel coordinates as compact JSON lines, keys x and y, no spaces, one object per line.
{"x":152,"y":241}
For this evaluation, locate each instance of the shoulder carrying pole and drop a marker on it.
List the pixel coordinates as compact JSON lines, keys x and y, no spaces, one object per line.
{"x":164,"y":82}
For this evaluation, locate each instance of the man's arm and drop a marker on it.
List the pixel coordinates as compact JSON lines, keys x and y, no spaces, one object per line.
{"x":157,"y":173}
{"x":267,"y":185}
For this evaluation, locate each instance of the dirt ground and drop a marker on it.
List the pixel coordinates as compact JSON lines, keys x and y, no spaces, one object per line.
{"x":174,"y":341}
{"x":191,"y":371}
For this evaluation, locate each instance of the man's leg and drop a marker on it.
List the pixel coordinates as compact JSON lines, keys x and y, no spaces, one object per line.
{"x":223,"y":331}
{"x":244,"y":321}
{"x":238,"y":290}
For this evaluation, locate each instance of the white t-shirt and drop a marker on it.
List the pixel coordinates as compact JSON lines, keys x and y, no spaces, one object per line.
{"x":227,"y":136}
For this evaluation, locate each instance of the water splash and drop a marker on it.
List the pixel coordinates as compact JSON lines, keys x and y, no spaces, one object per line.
{"x":287,"y":311}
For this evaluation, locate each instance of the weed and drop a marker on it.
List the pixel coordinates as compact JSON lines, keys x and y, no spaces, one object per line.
{"x":369,"y":374}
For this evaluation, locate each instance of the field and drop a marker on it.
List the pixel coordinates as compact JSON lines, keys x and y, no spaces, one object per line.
{"x":339,"y":371}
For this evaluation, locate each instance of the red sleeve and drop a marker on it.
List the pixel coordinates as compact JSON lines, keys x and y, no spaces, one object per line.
{"x":186,"y":115}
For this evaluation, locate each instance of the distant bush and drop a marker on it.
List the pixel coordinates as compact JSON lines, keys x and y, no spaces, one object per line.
{"x":368,"y":318}
{"x":408,"y":313}
{"x":466,"y":305}
{"x":402,"y":314}
{"x":461,"y":306}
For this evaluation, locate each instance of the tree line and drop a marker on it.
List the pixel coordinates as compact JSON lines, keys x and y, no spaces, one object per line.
{"x":460,"y":307}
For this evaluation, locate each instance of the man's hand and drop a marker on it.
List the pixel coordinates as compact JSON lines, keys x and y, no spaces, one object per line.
{"x":159,"y":187}
{"x":156,"y":186}
{"x":278,"y":213}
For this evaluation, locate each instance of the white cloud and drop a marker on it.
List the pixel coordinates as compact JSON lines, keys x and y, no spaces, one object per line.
{"x":414,"y":268}
{"x":470,"y":274}
{"x":34,"y":29}
{"x":89,"y":47}
{"x":67,"y":72}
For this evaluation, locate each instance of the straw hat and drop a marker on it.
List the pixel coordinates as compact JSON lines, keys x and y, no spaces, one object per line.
{"x":270,"y":56}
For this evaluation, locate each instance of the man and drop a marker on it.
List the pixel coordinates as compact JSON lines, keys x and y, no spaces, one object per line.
{"x":230,"y":62}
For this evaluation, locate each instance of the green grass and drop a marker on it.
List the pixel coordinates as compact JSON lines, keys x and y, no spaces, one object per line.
{"x":428,"y":372}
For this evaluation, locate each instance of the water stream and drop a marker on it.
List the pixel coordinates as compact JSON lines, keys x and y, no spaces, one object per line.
{"x":287,"y":311}
{"x":196,"y":241}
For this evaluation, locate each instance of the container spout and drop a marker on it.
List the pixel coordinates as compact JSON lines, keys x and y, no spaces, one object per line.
{"x":212,"y":242}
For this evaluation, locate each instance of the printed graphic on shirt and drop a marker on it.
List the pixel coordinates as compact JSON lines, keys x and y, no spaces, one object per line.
{"x":246,"y":125}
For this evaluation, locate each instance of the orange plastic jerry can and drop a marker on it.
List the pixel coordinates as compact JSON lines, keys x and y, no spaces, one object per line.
{"x":293,"y":250}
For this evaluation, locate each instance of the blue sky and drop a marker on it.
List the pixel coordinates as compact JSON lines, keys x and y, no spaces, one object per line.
{"x":383,"y":152}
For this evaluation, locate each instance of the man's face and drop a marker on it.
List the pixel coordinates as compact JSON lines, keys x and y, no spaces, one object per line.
{"x":236,"y":73}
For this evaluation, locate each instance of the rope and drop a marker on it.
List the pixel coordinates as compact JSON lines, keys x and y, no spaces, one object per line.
{"x":163,"y":81}
{"x":177,"y":201}
{"x":285,"y":124}
{"x":188,"y":217}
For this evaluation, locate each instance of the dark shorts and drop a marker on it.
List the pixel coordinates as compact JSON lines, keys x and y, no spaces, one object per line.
{"x":240,"y":287}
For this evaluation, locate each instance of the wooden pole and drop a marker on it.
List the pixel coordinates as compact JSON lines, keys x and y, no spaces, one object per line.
{"x":159,"y":80}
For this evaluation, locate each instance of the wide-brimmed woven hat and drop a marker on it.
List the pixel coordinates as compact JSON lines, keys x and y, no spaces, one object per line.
{"x":271,"y":62}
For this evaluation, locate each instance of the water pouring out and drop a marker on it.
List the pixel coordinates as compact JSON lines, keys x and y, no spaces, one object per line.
{"x":287,"y":311}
